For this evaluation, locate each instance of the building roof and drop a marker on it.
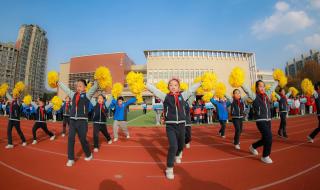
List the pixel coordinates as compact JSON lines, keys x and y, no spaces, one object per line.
{"x":195,"y":50}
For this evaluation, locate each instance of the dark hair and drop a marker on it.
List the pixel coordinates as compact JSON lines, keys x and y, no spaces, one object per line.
{"x":234,"y":91}
{"x":280,"y":89}
{"x":83,"y":81}
{"x":257,"y":84}
{"x":120,"y":98}
{"x":317,"y":85}
{"x":104,"y":98}
{"x":41,"y":99}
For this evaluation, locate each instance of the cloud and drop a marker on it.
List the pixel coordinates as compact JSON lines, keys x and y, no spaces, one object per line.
{"x":282,"y":21}
{"x":292,"y":48}
{"x":282,"y":6}
{"x":312,"y":41}
{"x":315,"y":4}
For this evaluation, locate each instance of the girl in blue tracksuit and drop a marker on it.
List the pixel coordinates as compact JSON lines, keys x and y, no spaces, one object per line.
{"x":66,"y":107}
{"x":175,"y":119}
{"x":222,"y":110}
{"x":120,"y":116}
{"x":283,"y":109}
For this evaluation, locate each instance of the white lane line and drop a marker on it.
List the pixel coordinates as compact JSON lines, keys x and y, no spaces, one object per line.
{"x":36,"y":178}
{"x":161,"y":146}
{"x":162,"y":162}
{"x":287,"y":178}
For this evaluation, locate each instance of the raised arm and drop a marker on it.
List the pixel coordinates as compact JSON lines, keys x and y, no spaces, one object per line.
{"x":156,"y":91}
{"x":50,"y":105}
{"x":34,"y":105}
{"x":109,"y":100}
{"x":92,"y":90}
{"x":249,"y":93}
{"x":229,"y":99}
{"x":315,"y":94}
{"x":93,"y":101}
{"x":273,"y":87}
{"x":66,"y":89}
{"x":186,"y":94}
{"x":8,"y":96}
{"x":130,"y":101}
{"x":288,"y":94}
{"x":277,"y":96}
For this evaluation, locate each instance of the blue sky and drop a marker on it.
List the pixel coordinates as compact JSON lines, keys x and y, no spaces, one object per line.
{"x":275,"y":30}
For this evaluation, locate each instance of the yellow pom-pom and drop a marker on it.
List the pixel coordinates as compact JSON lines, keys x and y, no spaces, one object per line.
{"x":19,"y":86}
{"x":278,"y":74}
{"x":3,"y":89}
{"x":294,"y":91}
{"x":89,"y":85}
{"x":200,"y":91}
{"x":268,"y":86}
{"x":104,"y":78}
{"x":27,"y":99}
{"x":237,"y":77}
{"x":197,"y":79}
{"x":56,"y":102}
{"x":307,"y":87}
{"x":15,"y":93}
{"x":209,"y":81}
{"x":273,"y":97}
{"x":207,"y":96}
{"x":162,"y":86}
{"x":116,"y":90}
{"x":139,"y":98}
{"x":283,"y":81}
{"x":53,"y":78}
{"x":136,"y":84}
{"x":183,"y":86}
{"x":220,"y":90}
{"x":253,"y":88}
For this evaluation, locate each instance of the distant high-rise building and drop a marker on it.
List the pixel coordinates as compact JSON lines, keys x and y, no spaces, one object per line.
{"x":8,"y":63}
{"x":296,"y":64}
{"x":32,"y":45}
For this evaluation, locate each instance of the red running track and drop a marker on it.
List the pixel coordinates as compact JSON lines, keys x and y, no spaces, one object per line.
{"x":139,"y":163}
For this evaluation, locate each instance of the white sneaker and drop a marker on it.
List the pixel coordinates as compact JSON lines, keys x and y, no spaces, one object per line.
{"x":310,"y":140}
{"x":180,"y":155}
{"x":188,"y":145}
{"x":70,"y":163}
{"x":128,"y":136}
{"x":266,"y":160}
{"x":95,"y":150}
{"x":52,"y":138}
{"x":24,"y":144}
{"x":253,"y":151}
{"x":63,"y":135}
{"x":169,"y":173}
{"x":237,"y":146}
{"x":88,"y":158}
{"x":34,"y":142}
{"x":115,"y":139}
{"x":9,"y":146}
{"x":178,"y":160}
{"x":223,"y":136}
{"x":110,"y":142}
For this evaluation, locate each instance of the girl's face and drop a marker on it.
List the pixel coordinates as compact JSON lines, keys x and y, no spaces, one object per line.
{"x":282,"y":92}
{"x":174,"y":86}
{"x":68,"y":99}
{"x":100,"y":99}
{"x":81,"y":87}
{"x":261,"y":88}
{"x":120,"y":102}
{"x":237,"y":95}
